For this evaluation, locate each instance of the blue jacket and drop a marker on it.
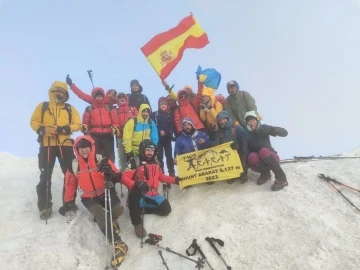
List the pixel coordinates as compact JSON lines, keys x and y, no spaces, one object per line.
{"x":164,"y":121}
{"x":231,"y":132}
{"x":190,"y":143}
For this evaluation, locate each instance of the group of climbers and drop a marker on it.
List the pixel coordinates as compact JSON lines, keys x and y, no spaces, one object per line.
{"x":194,"y":121}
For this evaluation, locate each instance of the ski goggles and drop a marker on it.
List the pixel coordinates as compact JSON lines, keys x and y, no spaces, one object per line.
{"x":150,"y":148}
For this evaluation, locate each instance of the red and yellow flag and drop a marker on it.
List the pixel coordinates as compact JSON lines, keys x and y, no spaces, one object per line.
{"x":165,"y":50}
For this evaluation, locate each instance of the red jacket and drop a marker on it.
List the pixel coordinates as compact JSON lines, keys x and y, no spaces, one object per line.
{"x":188,"y":109}
{"x":86,"y":177}
{"x":124,"y":113}
{"x":155,"y":177}
{"x":102,"y":118}
{"x":88,"y":98}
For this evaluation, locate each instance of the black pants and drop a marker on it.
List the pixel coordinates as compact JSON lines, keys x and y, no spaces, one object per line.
{"x":162,"y":209}
{"x":104,"y":145}
{"x":164,"y":144}
{"x":46,"y":157}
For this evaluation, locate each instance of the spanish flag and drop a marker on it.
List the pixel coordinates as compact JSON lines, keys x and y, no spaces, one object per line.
{"x":165,"y":50}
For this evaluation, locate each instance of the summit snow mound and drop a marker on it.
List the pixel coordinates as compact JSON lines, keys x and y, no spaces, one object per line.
{"x":307,"y":225}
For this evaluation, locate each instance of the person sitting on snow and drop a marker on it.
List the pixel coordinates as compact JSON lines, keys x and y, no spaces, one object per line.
{"x":142,"y":179}
{"x":85,"y":174}
{"x":227,"y":132}
{"x":263,"y":157}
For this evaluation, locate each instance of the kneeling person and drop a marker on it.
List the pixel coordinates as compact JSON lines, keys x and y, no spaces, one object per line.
{"x":142,"y":178}
{"x":87,"y":176}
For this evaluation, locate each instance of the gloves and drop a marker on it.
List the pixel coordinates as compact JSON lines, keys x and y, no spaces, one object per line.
{"x":106,"y":168}
{"x":177,"y":180}
{"x":142,"y":186}
{"x":115,"y":131}
{"x":50,"y":131}
{"x":65,"y":130}
{"x":84,"y":128}
{"x":68,"y":80}
{"x":67,"y":207}
{"x":234,"y":145}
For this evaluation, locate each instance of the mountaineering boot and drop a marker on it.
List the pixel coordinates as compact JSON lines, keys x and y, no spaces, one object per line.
{"x":139,"y":231}
{"x":231,"y":181}
{"x":116,"y":226}
{"x":121,"y":250}
{"x":280,"y":176}
{"x":279,"y":184}
{"x":243,"y":177}
{"x":265,"y":175}
{"x":46,"y":213}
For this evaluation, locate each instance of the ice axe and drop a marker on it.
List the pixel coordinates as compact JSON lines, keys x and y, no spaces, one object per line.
{"x":212,"y":242}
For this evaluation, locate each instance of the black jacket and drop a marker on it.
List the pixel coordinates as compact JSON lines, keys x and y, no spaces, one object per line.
{"x":260,"y":137}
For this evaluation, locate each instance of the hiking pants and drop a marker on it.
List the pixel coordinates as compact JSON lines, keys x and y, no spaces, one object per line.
{"x":164,"y":145}
{"x":46,"y":158}
{"x":255,"y":158}
{"x":104,"y":145}
{"x":153,"y":205}
{"x":96,"y":206}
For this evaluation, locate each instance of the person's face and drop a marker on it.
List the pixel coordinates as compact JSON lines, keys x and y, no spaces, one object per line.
{"x":187,"y":127}
{"x":163,"y":106}
{"x":183,"y":96}
{"x":99,"y":98}
{"x":223,"y":121}
{"x":84,"y":151}
{"x":135,"y":87}
{"x":112,"y":95}
{"x":122,"y":99}
{"x":145,"y":114}
{"x":252,"y":123}
{"x":149,"y":153}
{"x":205,"y":99}
{"x":232,"y":90}
{"x":59,"y":94}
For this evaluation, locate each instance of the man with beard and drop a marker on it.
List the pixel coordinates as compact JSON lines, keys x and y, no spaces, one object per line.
{"x":143,"y":178}
{"x":190,"y":140}
{"x":229,"y":132}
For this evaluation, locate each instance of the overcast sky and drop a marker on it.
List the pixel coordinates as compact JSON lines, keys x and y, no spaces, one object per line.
{"x":299,"y":60}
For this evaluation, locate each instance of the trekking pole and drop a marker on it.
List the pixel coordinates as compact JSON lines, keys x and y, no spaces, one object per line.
{"x":165,"y":190}
{"x":196,"y":247}
{"x":211,"y":241}
{"x":329,"y":180}
{"x":47,"y":182}
{"x":164,"y":262}
{"x":91,"y":77}
{"x":339,"y":183}
{"x":154,"y":240}
{"x":143,"y":219}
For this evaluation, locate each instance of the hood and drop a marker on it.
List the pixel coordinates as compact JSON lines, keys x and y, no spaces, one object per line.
{"x":209,"y":92}
{"x":221,"y":115}
{"x":95,"y":90}
{"x":140,"y":86}
{"x":59,"y":84}
{"x":92,"y":152}
{"x":183,"y":102}
{"x":122,"y":94}
{"x":163,"y":99}
{"x":252,"y":114}
{"x":233,"y":82}
{"x":187,"y":120}
{"x":143,"y":107}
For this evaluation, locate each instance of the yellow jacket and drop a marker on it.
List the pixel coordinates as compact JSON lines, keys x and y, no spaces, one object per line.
{"x":55,"y":115}
{"x":145,"y":129}
{"x":209,"y":117}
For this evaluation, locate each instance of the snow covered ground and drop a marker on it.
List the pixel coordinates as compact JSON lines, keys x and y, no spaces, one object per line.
{"x":308,"y":225}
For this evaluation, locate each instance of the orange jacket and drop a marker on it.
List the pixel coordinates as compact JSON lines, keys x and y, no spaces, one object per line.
{"x":87,"y":177}
{"x":155,"y":176}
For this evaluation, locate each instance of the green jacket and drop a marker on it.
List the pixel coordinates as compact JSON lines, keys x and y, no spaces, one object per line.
{"x":238,"y":105}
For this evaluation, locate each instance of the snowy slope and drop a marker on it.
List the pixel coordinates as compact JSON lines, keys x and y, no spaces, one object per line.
{"x":308,"y":225}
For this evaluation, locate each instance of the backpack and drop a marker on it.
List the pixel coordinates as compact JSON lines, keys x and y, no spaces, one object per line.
{"x":45,"y":106}
{"x":91,"y":107}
